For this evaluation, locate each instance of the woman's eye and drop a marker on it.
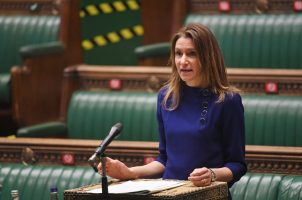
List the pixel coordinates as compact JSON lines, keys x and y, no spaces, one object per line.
{"x":192,"y":54}
{"x":178,"y":53}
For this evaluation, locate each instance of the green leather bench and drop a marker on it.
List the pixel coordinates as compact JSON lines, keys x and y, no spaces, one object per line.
{"x":34,"y":181}
{"x":269,"y":119}
{"x":273,"y":120}
{"x":248,"y":41}
{"x":267,"y":186}
{"x":27,"y":32}
{"x":92,"y":114}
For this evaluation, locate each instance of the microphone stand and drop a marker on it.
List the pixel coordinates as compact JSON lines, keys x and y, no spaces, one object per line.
{"x":104,"y":178}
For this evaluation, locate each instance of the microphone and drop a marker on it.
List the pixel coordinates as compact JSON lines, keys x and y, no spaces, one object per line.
{"x":115,"y":131}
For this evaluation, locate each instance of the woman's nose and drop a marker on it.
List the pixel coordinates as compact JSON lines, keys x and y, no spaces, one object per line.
{"x":183,"y":59}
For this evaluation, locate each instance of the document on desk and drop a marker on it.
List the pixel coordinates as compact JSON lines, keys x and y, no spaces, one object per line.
{"x":141,"y":186}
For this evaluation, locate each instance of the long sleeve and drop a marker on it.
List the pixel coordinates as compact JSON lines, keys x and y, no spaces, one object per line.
{"x":162,"y":157}
{"x":233,"y":139}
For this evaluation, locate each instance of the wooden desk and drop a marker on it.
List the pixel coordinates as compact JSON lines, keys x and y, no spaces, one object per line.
{"x":217,"y":190}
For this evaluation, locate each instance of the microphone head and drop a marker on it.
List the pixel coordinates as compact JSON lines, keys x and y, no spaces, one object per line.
{"x":116,"y":129}
{"x":118,"y":126}
{"x":114,"y":132}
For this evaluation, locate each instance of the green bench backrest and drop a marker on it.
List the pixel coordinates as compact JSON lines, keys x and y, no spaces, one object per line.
{"x":273,"y":120}
{"x":34,"y":181}
{"x":260,"y":41}
{"x":269,"y":119}
{"x":18,"y":31}
{"x":92,"y":114}
{"x":267,"y":186}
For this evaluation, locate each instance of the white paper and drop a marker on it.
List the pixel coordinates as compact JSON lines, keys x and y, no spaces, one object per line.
{"x":140,"y":186}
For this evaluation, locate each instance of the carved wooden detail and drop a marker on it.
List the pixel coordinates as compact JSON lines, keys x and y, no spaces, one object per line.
{"x":270,"y":159}
{"x":243,"y":6}
{"x":29,"y":7}
{"x":274,"y":159}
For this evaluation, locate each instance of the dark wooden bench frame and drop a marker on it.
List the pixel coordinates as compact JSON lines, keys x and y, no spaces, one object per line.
{"x":268,"y":159}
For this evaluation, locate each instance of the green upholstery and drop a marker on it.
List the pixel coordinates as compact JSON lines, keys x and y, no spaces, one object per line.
{"x":4,"y":87}
{"x":92,"y":114}
{"x":19,"y":31}
{"x":43,"y":49}
{"x":267,"y":186}
{"x":49,"y":129}
{"x":269,"y":119}
{"x":157,"y":49}
{"x":273,"y":120}
{"x":34,"y":181}
{"x":261,"y":41}
{"x":256,"y":186}
{"x":248,"y":41}
{"x":290,"y":188}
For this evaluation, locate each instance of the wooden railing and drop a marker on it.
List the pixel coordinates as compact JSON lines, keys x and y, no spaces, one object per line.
{"x":270,"y":159}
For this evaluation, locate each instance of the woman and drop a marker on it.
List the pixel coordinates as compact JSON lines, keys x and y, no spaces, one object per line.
{"x":200,"y":117}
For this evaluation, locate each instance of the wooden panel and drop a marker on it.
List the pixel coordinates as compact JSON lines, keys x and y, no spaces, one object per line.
{"x":161,"y":19}
{"x":270,"y":159}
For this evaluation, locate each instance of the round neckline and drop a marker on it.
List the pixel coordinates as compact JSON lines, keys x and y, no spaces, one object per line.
{"x":197,"y":89}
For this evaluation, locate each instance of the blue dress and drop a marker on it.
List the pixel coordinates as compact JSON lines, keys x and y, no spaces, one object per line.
{"x":201,"y":133}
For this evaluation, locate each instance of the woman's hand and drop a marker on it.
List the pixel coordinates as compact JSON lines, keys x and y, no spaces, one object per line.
{"x":200,"y":177}
{"x":117,"y":169}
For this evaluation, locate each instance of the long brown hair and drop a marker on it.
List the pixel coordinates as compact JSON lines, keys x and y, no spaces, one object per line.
{"x":211,"y":61}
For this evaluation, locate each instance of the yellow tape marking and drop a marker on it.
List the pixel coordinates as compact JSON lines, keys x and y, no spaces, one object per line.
{"x":113,"y":37}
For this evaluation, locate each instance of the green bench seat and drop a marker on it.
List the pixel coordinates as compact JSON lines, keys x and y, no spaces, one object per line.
{"x":248,"y":41}
{"x":34,"y":181}
{"x":269,"y":120}
{"x":19,"y":32}
{"x":267,"y":186}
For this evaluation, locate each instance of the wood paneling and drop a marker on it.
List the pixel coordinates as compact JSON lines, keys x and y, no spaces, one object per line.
{"x":161,"y":19}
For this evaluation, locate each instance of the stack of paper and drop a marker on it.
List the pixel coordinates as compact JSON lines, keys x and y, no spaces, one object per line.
{"x":141,"y":186}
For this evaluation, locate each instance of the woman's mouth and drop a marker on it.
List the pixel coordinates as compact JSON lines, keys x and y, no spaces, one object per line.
{"x":186,"y":70}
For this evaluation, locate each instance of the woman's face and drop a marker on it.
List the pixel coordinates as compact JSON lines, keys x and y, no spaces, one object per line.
{"x":187,"y":63}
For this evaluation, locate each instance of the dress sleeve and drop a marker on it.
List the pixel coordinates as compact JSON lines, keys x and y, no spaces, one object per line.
{"x":162,"y":157}
{"x":233,"y":136}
